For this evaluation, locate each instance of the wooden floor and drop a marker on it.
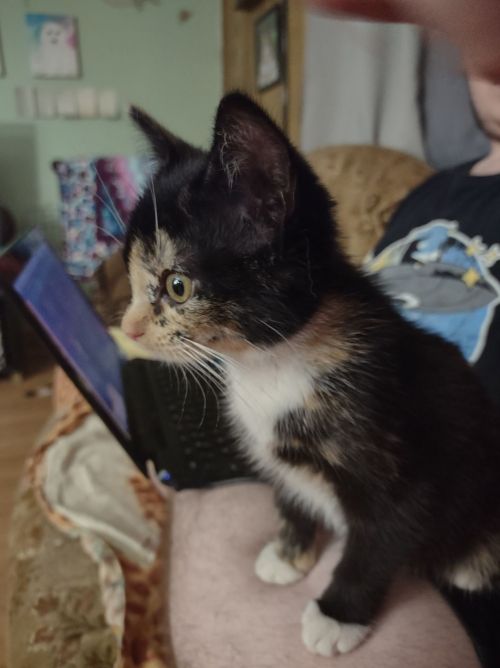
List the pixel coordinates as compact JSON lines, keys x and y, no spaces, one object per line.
{"x":22,"y":414}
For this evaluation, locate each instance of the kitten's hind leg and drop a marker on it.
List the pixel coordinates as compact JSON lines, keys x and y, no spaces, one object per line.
{"x":292,"y":555}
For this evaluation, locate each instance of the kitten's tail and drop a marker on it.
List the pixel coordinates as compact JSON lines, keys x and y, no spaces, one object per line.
{"x":479,"y":612}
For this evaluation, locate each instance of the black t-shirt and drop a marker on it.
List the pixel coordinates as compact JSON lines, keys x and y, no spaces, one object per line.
{"x":440,"y":261}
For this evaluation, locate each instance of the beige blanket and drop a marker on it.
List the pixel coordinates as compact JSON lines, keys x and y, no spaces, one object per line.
{"x":88,"y":552}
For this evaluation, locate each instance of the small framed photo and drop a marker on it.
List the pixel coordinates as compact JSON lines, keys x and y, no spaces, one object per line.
{"x":54,"y":46}
{"x":269,"y":49}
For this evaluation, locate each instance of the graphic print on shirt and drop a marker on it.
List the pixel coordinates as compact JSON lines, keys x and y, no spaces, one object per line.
{"x":441,"y":280}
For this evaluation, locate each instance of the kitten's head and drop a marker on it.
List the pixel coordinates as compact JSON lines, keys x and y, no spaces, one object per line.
{"x":231,"y":248}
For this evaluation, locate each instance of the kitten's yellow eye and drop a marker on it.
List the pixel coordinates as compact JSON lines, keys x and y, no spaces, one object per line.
{"x":179,"y":288}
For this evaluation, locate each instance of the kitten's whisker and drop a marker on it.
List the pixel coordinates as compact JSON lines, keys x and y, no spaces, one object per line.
{"x":215,"y":380}
{"x":209,"y":354}
{"x":175,"y":370}
{"x":153,"y":194}
{"x":105,"y":188}
{"x":224,"y":389}
{"x":186,"y":386}
{"x":108,"y":234}
{"x":257,"y":348}
{"x":117,"y":316}
{"x":282,"y":336}
{"x":236,"y":382}
{"x":209,"y":382}
{"x":218,"y":382}
{"x":132,"y":186}
{"x":229,"y":361}
{"x":234,"y":388}
{"x":115,"y":216}
{"x":263,"y":408}
{"x":212,"y":353}
{"x":210,"y":385}
{"x":217,"y":362}
{"x":193,"y":376}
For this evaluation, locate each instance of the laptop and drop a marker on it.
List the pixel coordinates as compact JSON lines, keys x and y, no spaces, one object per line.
{"x":152,"y":411}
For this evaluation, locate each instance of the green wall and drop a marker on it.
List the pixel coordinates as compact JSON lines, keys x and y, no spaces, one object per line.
{"x":171,"y":68}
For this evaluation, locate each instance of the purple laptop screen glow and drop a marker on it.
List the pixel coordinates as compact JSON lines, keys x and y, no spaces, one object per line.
{"x":74,"y":327}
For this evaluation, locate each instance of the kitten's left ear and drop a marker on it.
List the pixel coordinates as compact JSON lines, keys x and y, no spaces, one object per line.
{"x":253,"y":155}
{"x":167,"y":147}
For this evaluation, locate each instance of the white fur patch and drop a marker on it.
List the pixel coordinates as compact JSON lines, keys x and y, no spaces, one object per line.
{"x":477,"y":570}
{"x":271,"y":568}
{"x":325,"y":636}
{"x":465,"y":577}
{"x":316,"y":495}
{"x":262,"y":389}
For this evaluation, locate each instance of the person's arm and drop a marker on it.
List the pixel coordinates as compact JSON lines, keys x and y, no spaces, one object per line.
{"x":474,"y":25}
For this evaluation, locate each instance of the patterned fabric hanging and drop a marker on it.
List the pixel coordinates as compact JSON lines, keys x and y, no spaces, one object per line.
{"x":97,"y":197}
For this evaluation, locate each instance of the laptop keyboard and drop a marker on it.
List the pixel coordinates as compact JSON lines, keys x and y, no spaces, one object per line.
{"x":181,"y":426}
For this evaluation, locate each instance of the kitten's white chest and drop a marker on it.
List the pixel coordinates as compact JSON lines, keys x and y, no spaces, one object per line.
{"x":258,"y":396}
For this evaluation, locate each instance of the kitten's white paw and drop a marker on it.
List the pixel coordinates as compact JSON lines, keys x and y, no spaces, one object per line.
{"x":272,"y":568}
{"x":324,"y":635}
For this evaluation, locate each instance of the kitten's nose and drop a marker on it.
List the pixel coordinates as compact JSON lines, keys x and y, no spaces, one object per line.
{"x":134,"y":323}
{"x":132,"y":332}
{"x":132,"y":328}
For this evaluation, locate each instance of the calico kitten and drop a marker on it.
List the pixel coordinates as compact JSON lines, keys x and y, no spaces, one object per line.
{"x":362,"y":422}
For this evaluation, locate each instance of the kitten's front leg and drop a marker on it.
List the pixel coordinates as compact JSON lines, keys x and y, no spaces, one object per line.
{"x":293,"y":554}
{"x":340,"y":619}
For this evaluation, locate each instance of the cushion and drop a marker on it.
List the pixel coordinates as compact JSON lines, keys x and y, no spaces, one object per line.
{"x":222,"y":616}
{"x":87,"y":554}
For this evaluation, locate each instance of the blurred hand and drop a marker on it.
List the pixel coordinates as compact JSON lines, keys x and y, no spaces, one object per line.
{"x":474,"y":25}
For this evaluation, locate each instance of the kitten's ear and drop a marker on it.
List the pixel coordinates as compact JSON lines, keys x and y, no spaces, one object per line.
{"x":167,"y":148}
{"x":253,"y":156}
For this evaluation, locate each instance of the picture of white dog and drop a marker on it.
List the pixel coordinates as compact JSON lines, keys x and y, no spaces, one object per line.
{"x":54,"y":46}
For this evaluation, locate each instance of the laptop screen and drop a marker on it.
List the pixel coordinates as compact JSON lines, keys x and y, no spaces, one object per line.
{"x":71,"y":324}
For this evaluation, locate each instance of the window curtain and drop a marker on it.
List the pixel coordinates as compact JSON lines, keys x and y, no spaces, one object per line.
{"x":361,"y":84}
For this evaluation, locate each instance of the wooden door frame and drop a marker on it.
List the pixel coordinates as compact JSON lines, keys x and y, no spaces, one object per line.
{"x":238,"y":60}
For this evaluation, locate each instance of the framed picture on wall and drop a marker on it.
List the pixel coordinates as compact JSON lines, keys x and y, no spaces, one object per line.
{"x":269,"y":66}
{"x":53,"y":46}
